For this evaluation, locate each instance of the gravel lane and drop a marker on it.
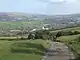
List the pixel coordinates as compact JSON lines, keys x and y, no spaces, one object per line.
{"x":58,"y":51}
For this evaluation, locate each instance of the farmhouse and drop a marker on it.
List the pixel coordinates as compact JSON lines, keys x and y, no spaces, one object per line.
{"x":44,"y":28}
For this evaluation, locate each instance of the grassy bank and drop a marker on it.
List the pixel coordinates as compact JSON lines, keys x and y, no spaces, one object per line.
{"x":13,"y":38}
{"x":68,"y":38}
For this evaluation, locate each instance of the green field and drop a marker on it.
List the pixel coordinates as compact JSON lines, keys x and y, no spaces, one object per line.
{"x":23,"y":50}
{"x":68,"y":38}
{"x":13,"y":38}
{"x":68,"y":29}
{"x":20,"y":25}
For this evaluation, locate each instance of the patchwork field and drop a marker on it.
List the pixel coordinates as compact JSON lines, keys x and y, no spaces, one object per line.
{"x":23,"y":50}
{"x":20,"y":25}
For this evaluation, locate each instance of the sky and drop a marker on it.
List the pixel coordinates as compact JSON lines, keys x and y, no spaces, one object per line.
{"x":41,"y":6}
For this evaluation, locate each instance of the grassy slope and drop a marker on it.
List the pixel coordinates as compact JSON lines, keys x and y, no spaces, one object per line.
{"x":5,"y":51}
{"x":68,"y":38}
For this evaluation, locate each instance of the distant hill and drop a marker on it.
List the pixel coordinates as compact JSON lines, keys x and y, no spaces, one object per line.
{"x":56,"y":21}
{"x":16,"y":16}
{"x":64,"y":18}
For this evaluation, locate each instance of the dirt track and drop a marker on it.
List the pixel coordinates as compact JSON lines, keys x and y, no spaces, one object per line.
{"x":58,"y":51}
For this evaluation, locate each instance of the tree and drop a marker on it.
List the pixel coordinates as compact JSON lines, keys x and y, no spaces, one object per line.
{"x":38,"y":35}
{"x":59,"y":34}
{"x":31,"y":36}
{"x":76,"y":32}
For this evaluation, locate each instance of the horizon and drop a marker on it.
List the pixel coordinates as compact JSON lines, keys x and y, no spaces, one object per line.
{"x":41,"y":14}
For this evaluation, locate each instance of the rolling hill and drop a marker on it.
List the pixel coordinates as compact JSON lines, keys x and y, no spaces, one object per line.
{"x":55,"y":21}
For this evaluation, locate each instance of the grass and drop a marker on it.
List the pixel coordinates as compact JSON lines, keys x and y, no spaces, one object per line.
{"x":75,"y":47}
{"x":7,"y":25}
{"x":23,"y":49}
{"x":13,"y":38}
{"x":68,"y":38}
{"x":68,"y":29}
{"x":21,"y":57}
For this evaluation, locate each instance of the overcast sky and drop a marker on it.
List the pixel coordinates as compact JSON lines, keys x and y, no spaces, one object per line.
{"x":41,"y":6}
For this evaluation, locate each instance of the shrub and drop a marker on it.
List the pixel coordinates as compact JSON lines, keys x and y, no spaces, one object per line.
{"x":38,"y":35}
{"x":64,"y":33}
{"x":78,"y":39}
{"x":45,"y":37}
{"x":59,"y":34}
{"x":41,"y":34}
{"x":76,"y":32}
{"x":30,"y":36}
{"x":22,"y":38}
{"x":69,"y":42}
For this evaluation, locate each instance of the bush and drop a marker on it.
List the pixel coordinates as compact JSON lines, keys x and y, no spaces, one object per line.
{"x":76,"y":32}
{"x":31,"y":36}
{"x":22,"y":38}
{"x":64,"y":33}
{"x":78,"y":39}
{"x":38,"y":35}
{"x":45,"y":37}
{"x":69,"y":42}
{"x":59,"y":34}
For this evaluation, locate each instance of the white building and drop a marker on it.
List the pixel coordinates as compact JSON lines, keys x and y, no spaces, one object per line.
{"x":45,"y":28}
{"x":33,"y":30}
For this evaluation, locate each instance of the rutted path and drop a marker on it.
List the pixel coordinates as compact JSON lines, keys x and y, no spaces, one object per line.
{"x":58,"y":51}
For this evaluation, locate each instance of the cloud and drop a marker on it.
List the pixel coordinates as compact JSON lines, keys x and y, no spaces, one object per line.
{"x":71,"y":1}
{"x":51,"y":1}
{"x":60,"y":6}
{"x":59,"y":1}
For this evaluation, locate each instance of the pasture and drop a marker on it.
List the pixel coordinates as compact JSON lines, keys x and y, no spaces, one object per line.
{"x":68,"y":29}
{"x":68,"y":38}
{"x":23,"y":50}
{"x":8,"y":25}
